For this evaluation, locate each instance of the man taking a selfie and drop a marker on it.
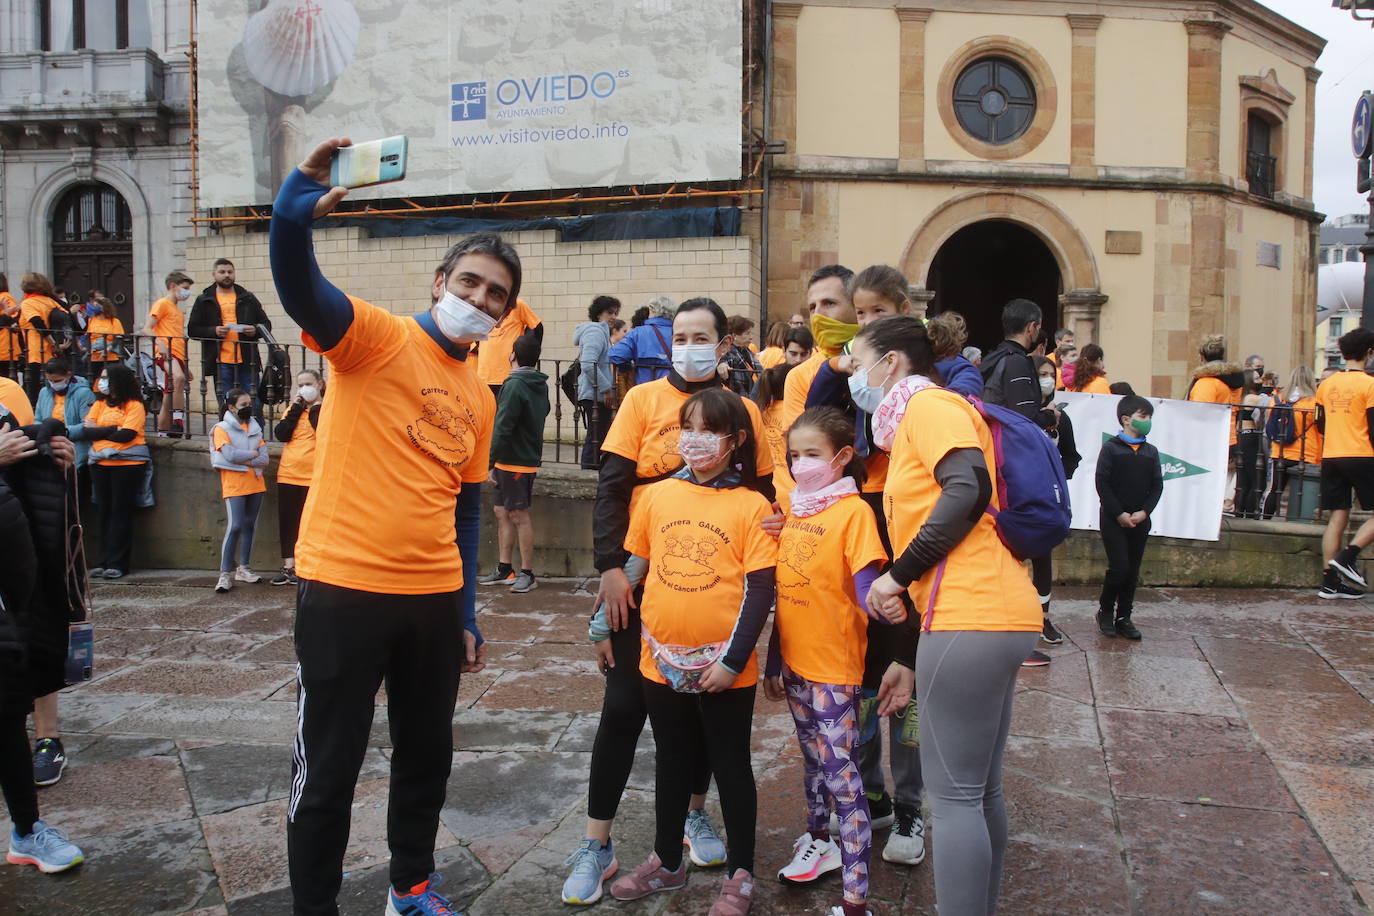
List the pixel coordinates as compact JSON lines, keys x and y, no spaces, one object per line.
{"x":387,"y":576}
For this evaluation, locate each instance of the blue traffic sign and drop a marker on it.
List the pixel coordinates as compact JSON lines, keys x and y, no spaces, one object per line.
{"x":1362,"y":129}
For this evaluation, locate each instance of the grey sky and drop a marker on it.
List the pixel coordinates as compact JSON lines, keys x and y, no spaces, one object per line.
{"x":1347,"y":67}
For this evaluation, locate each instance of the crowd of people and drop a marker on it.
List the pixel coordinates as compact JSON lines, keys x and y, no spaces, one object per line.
{"x":845,"y":482}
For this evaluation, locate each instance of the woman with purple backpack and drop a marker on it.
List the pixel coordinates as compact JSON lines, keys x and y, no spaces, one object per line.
{"x":979,"y":611}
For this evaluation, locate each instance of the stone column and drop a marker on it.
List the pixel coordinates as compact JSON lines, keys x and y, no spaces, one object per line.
{"x":1082,"y":310}
{"x":920,"y":300}
{"x":784,"y":64}
{"x":1310,"y":130}
{"x":1083,"y":96}
{"x":911,"y":109}
{"x":1204,"y":97}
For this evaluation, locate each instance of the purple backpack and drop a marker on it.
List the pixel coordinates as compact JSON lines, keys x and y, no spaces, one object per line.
{"x":1031,"y":487}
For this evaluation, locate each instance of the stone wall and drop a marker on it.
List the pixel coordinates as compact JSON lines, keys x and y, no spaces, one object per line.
{"x":185,"y":529}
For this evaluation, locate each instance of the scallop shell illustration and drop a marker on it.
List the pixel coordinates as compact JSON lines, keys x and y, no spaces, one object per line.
{"x":297,"y":47}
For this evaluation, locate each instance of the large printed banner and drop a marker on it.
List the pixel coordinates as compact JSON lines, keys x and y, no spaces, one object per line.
{"x":1192,"y":440}
{"x":527,"y":95}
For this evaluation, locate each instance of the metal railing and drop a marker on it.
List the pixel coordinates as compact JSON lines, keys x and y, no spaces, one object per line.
{"x":272,"y":382}
{"x":1259,"y":172}
{"x":1290,"y":485}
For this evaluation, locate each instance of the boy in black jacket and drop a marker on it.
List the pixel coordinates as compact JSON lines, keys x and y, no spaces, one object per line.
{"x":1129,"y":484}
{"x":517,"y":448}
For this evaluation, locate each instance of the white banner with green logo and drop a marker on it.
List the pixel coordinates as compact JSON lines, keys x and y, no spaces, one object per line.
{"x":1192,"y":439}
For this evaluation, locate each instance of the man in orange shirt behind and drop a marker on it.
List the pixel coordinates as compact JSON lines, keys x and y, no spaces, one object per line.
{"x":166,"y":324}
{"x":493,"y":354}
{"x":1345,"y":416}
{"x":226,"y":317}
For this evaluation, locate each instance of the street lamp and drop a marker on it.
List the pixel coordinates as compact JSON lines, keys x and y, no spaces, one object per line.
{"x":1362,"y":144}
{"x":1354,"y":6}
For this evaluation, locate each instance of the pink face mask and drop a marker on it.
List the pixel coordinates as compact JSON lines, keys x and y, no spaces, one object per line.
{"x":812,"y":474}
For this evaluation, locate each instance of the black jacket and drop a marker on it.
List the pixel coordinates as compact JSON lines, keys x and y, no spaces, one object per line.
{"x":1010,"y":379}
{"x":1128,"y":480}
{"x":205,"y":317}
{"x":518,"y":436}
{"x":1068,"y":445}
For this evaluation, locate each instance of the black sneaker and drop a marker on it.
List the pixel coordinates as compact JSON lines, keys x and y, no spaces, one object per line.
{"x":1125,"y":628}
{"x":1105,"y":626}
{"x":1050,"y":635}
{"x":880,"y":811}
{"x":1345,"y":564}
{"x":286,"y":577}
{"x":1036,"y":660}
{"x":1339,"y":590}
{"x":49,"y":760}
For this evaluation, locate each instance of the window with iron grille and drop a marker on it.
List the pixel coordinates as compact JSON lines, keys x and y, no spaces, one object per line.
{"x":994,"y":100}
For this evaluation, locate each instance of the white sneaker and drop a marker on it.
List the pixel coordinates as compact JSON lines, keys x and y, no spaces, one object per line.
{"x":244,"y":574}
{"x":906,"y":844}
{"x":810,"y":859}
{"x":225,"y":583}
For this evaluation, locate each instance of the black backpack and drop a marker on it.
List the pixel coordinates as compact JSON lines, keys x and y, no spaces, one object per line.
{"x":275,"y":385}
{"x":1280,"y":427}
{"x":568,"y":381}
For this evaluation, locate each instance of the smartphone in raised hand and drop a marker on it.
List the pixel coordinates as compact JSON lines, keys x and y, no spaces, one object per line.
{"x":374,"y":162}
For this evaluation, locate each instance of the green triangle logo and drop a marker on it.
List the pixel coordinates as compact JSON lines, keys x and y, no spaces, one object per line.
{"x":1174,"y":468}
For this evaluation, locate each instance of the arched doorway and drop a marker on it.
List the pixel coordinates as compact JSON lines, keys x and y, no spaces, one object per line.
{"x":987,"y":263}
{"x":92,"y":246}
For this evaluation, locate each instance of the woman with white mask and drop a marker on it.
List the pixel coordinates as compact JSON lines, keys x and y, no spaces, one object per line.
{"x":641,"y":447}
{"x":296,"y":432}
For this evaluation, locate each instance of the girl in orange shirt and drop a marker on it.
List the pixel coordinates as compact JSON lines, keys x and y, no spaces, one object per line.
{"x":707,"y":594}
{"x":980,"y":613}
{"x":103,"y":333}
{"x":1089,"y":374}
{"x":237,"y":449}
{"x":118,"y":459}
{"x":296,"y":431}
{"x":829,"y":554}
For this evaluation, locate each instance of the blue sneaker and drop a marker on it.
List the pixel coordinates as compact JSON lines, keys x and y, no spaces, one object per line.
{"x":591,"y":865}
{"x":421,"y":901}
{"x":704,"y":846}
{"x":47,"y":847}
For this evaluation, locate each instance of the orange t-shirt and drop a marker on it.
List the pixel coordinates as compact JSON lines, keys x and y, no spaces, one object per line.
{"x":493,"y":354}
{"x":1343,"y":399}
{"x":798,"y":386}
{"x":169,"y":325}
{"x":132,"y":415}
{"x":228,"y":314}
{"x":59,"y":405}
{"x":39,"y":342}
{"x":701,"y":542}
{"x":404,"y":427}
{"x":1308,"y":445}
{"x":982,"y":587}
{"x":775,"y":434}
{"x":823,"y":631}
{"x":1099,"y":385}
{"x":106,"y":329}
{"x":10,"y":347}
{"x":236,"y":483}
{"x":771,"y":356}
{"x":297,"y":465}
{"x":13,"y":397}
{"x":645,"y":431}
{"x":1214,"y":391}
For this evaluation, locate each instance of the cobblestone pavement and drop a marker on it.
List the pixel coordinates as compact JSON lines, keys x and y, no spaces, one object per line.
{"x":1225,"y":764}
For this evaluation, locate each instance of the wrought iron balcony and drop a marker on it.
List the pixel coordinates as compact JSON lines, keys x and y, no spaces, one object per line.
{"x":1259,"y":172}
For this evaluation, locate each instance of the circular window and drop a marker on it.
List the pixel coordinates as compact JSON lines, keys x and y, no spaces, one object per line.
{"x":994,"y":100}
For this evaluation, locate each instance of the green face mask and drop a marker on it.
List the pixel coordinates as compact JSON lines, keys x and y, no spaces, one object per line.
{"x":1141,"y":427}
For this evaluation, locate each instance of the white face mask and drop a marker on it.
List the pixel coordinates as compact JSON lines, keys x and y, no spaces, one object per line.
{"x":310,"y":392}
{"x":865,"y":396}
{"x":461,"y":321}
{"x":103,"y":386}
{"x":700,"y":451}
{"x":183,"y":294}
{"x":1046,"y":386}
{"x":695,"y":362}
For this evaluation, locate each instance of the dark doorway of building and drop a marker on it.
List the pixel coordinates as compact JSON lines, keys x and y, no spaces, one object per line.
{"x":92,"y":247}
{"x":984,"y":265}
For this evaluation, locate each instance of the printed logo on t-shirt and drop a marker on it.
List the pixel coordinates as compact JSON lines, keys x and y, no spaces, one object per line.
{"x":796,"y":554}
{"x":445,"y":430}
{"x":686,"y":563}
{"x":665,"y":458}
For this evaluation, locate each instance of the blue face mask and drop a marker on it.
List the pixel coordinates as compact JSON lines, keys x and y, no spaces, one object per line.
{"x":59,"y":387}
{"x":866,"y":396}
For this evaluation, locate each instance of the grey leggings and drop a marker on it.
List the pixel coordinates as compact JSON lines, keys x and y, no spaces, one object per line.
{"x":965,"y":681}
{"x":243,"y":521}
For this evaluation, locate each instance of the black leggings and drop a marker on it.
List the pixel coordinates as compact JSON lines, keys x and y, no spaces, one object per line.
{"x":16,"y":771}
{"x":1125,"y":549}
{"x":1282,"y":467}
{"x":622,"y":719}
{"x":692,"y":729}
{"x":290,"y":505}
{"x":116,"y":491}
{"x":1042,"y":575}
{"x":1249,"y":473}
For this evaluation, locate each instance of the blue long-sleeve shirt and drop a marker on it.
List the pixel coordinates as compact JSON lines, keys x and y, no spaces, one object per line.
{"x":324,"y":312}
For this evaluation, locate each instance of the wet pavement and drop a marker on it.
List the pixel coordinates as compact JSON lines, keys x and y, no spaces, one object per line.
{"x":1224,"y":764}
